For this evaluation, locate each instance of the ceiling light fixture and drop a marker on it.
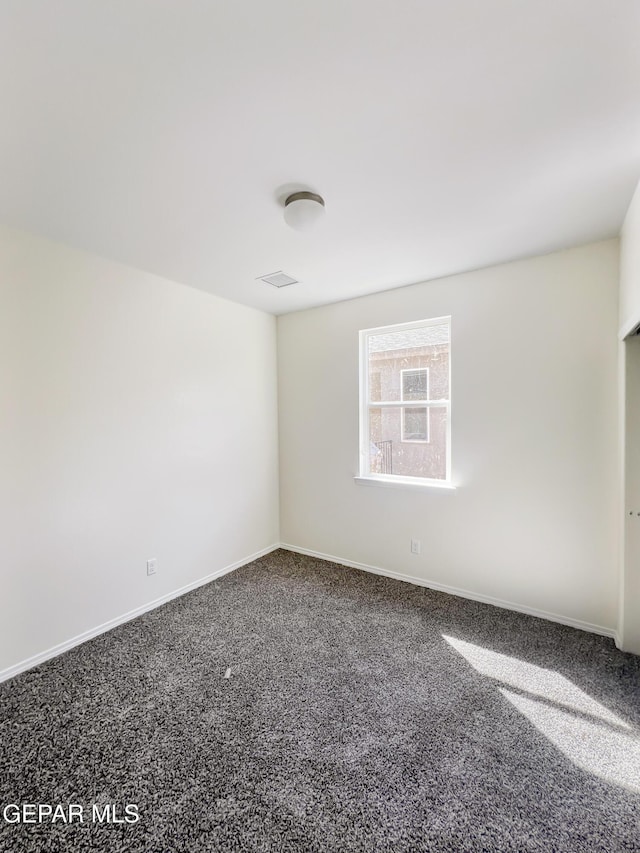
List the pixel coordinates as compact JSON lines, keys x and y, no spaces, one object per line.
{"x":303,"y":209}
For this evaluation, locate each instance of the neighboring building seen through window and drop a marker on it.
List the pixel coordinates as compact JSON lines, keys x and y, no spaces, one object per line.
{"x":415,"y":422}
{"x":405,"y":403}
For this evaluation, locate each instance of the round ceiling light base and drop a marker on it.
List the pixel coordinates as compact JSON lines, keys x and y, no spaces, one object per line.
{"x":303,"y":209}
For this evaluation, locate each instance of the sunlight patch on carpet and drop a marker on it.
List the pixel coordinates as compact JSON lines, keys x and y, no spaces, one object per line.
{"x":588,"y":733}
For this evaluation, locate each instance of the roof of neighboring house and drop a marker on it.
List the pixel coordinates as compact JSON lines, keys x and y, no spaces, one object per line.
{"x":410,"y":338}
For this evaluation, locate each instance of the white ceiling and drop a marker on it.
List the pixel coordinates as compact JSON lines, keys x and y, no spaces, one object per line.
{"x":444,"y":135}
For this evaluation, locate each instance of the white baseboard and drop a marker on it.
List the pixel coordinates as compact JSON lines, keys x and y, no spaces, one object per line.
{"x":461,"y":593}
{"x":53,"y":652}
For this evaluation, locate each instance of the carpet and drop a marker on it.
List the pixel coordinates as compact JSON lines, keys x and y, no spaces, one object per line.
{"x":299,"y":705}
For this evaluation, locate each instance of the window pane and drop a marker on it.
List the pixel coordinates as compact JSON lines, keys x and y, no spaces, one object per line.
{"x":415,"y":425}
{"x":415,"y":384}
{"x":409,"y":365}
{"x":391,"y":452}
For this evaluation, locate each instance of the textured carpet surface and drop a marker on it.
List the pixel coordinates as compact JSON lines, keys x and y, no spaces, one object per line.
{"x":297,"y":705}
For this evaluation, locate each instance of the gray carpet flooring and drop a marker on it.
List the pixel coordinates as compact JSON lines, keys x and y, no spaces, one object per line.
{"x":297,"y":705}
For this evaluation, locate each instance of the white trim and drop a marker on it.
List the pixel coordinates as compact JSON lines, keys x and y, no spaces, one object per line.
{"x":363,"y":401}
{"x":59,"y":649}
{"x":461,"y":593}
{"x":409,"y":404}
{"x":413,"y":324}
{"x":628,"y":327}
{"x":449,"y":410}
{"x":54,"y":651}
{"x":396,"y":481}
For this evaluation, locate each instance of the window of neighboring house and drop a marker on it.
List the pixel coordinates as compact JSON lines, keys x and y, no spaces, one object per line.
{"x":414,"y":385}
{"x":405,"y":403}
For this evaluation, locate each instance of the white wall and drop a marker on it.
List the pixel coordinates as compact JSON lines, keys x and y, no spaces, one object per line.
{"x":629,"y":314}
{"x":629,"y":621}
{"x":534,"y":401}
{"x":138,"y":419}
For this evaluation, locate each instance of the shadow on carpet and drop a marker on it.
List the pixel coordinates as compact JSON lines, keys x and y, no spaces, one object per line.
{"x":298,"y":705}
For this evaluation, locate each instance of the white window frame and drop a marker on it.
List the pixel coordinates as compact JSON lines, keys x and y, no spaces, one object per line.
{"x":404,"y":409}
{"x":365,"y":475}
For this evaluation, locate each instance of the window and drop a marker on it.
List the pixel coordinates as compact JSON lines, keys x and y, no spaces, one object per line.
{"x":405,"y":408}
{"x":415,"y":386}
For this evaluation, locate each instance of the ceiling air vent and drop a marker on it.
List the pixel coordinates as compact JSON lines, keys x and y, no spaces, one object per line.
{"x":278,"y":279}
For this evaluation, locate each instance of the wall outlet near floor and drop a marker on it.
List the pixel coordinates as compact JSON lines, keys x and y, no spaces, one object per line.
{"x":416,"y":546}
{"x":152,"y":566}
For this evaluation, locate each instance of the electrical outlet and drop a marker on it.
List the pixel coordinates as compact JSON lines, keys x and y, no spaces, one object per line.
{"x":152,"y":566}
{"x":416,"y":546}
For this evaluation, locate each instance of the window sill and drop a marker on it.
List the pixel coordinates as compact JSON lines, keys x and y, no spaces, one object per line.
{"x":405,"y":482}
